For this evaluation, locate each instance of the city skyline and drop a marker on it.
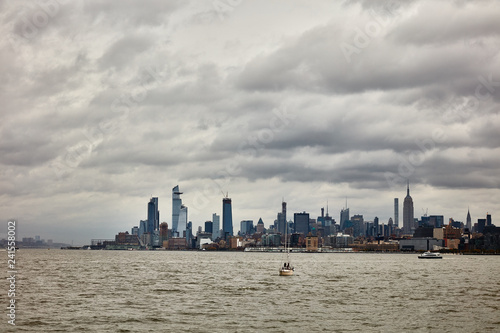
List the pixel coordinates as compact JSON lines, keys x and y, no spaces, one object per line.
{"x":105,"y":106}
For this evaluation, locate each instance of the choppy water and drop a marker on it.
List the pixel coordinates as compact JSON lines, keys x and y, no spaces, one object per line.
{"x":139,"y":291}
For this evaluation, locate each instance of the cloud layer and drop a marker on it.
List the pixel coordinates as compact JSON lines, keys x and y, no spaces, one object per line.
{"x":104,"y":105}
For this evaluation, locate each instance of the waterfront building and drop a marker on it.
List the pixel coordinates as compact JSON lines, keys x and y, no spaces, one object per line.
{"x":339,"y":240}
{"x":135,"y":230}
{"x":227,"y":217}
{"x":301,"y":223}
{"x":215,"y":226}
{"x":396,"y":212}
{"x":311,"y":243}
{"x":408,"y":217}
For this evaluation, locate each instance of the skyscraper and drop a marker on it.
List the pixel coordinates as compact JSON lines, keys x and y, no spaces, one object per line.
{"x":396,"y":212}
{"x":408,"y":219}
{"x":260,"y":226}
{"x":209,"y":226}
{"x":215,"y":226}
{"x":344,"y":217}
{"x":282,"y":218}
{"x":153,"y":216}
{"x":468,"y":224}
{"x":301,"y":223}
{"x":227,"y":217}
{"x":179,"y":214}
{"x":246,"y":227}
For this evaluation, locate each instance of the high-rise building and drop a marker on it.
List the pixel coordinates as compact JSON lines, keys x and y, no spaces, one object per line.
{"x":436,"y":221}
{"x":488,"y":219}
{"x":396,"y":212}
{"x":215,"y":226}
{"x":227,"y":217}
{"x":209,"y":226}
{"x":179,"y":214}
{"x":358,"y":225}
{"x":142,"y":227}
{"x":153,"y":215}
{"x":344,"y":217}
{"x":260,"y":226}
{"x":468,"y":224}
{"x":282,"y":219}
{"x":135,"y":230}
{"x":301,"y":223}
{"x":188,"y":233}
{"x":246,"y":227}
{"x":408,"y":219}
{"x":163,"y":232}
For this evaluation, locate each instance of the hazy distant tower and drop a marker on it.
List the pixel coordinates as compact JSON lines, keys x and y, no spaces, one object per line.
{"x":227,"y":217}
{"x":344,"y":216}
{"x":282,"y":218}
{"x":396,"y":212}
{"x":468,"y":224}
{"x":408,"y":220}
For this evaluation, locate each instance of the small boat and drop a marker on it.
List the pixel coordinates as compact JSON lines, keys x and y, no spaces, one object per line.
{"x":430,"y":255}
{"x":286,"y":269}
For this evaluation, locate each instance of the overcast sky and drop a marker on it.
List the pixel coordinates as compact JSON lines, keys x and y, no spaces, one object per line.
{"x":105,"y":104}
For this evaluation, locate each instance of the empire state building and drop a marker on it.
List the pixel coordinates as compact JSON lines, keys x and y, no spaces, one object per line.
{"x":408,"y":219}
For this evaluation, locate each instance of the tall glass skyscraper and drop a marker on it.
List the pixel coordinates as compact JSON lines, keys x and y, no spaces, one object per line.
{"x":153,"y":216}
{"x":301,"y":223}
{"x":179,"y":214}
{"x":344,"y":217}
{"x":215,"y":226}
{"x":227,"y":217}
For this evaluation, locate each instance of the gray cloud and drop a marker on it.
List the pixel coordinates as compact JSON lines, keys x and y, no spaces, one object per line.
{"x":105,"y":104}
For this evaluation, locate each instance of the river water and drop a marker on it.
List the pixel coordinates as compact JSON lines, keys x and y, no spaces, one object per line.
{"x":169,"y":291}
